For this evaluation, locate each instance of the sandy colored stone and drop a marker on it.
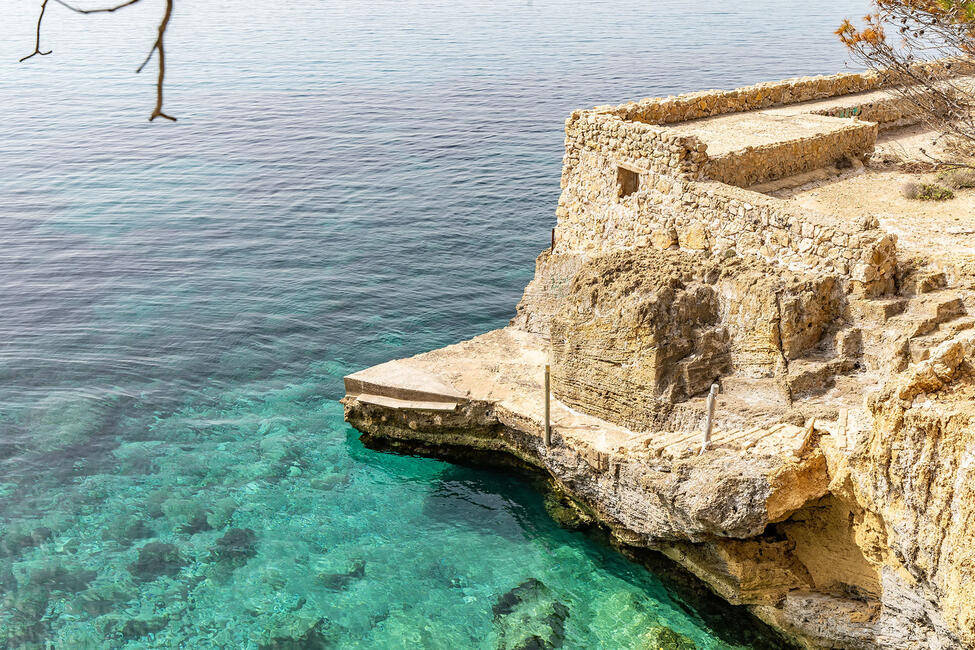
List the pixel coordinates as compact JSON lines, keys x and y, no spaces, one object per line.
{"x":835,"y":497}
{"x":695,"y":237}
{"x":664,"y":238}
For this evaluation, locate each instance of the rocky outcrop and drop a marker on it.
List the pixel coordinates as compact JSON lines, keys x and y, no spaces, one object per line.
{"x":911,"y":477}
{"x":833,"y":498}
{"x":844,"y":532}
{"x":640,"y":331}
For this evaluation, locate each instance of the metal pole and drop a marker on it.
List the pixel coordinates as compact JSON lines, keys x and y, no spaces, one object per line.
{"x":548,"y":424}
{"x":712,"y":395}
{"x":553,"y":239}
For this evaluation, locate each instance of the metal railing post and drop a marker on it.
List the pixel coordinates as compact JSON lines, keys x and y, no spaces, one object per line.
{"x":709,"y":423}
{"x":548,"y":408}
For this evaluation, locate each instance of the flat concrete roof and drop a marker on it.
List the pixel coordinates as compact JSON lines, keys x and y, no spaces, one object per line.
{"x":725,"y":134}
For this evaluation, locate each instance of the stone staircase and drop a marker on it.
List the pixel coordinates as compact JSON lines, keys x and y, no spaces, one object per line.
{"x":885,"y":335}
{"x":777,"y":438}
{"x":836,"y":355}
{"x":904,"y":330}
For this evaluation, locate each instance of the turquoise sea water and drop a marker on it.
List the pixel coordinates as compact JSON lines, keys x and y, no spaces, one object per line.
{"x":348,"y":183}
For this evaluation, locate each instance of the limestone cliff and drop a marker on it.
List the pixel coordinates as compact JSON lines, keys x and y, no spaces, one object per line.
{"x":833,"y":498}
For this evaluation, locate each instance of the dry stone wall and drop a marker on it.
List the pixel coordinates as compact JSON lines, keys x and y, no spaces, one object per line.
{"x":893,"y":112}
{"x":628,"y":180}
{"x":674,"y":210}
{"x":707,"y":103}
{"x":768,"y":162}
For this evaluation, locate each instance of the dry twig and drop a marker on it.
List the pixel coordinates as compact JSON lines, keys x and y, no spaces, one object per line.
{"x":157,"y":46}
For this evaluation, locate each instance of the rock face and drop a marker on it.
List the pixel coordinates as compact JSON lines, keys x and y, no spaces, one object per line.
{"x":845,"y":525}
{"x":642,"y":330}
{"x":636,"y":334}
{"x":912,"y":477}
{"x":835,"y":497}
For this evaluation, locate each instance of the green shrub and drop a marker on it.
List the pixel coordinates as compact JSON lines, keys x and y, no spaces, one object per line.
{"x":934,"y":192}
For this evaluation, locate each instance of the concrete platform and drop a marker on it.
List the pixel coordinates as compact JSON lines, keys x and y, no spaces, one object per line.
{"x":725,"y":134}
{"x":506,"y":368}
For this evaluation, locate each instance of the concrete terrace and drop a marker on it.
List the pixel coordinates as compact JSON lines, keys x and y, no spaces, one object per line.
{"x":506,"y":368}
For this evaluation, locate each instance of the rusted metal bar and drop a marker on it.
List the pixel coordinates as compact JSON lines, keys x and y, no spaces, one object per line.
{"x":553,"y":239}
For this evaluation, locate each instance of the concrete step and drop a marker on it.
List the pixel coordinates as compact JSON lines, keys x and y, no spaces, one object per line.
{"x":402,"y":382}
{"x":404,"y":404}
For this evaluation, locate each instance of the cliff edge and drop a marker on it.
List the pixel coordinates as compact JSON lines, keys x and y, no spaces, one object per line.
{"x":833,"y":498}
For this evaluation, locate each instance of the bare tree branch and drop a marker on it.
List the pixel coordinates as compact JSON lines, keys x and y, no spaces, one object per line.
{"x":157,"y":46}
{"x":97,"y":11}
{"x":943,"y":30}
{"x":37,"y":42}
{"x":158,"y":112}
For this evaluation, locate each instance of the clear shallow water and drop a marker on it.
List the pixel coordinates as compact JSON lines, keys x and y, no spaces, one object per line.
{"x":348,"y":183}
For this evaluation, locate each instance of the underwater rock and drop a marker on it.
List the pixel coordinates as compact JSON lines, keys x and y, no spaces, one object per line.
{"x":341,"y":579}
{"x":528,"y":617}
{"x":662,"y":637}
{"x":533,"y":642}
{"x":41,"y":534}
{"x":156,"y":559}
{"x":298,"y":637}
{"x":127,"y":529}
{"x":237,"y":546}
{"x":59,"y":578}
{"x":566,"y":513}
{"x":137,"y":530}
{"x":185,"y":515}
{"x":8,"y":450}
{"x":507,"y":602}
{"x":220,"y":512}
{"x":198,"y":524}
{"x":136,"y":628}
{"x":25,"y":625}
{"x":330,"y":481}
{"x":14,"y":544}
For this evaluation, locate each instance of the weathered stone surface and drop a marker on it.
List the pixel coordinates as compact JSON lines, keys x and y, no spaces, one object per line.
{"x":642,"y":330}
{"x":834,"y":498}
{"x":637,"y":333}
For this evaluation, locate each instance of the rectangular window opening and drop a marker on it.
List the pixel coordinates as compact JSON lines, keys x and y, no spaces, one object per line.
{"x":627,"y":180}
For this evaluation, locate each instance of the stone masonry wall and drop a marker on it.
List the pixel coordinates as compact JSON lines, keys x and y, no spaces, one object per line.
{"x":640,"y":145}
{"x":692,"y":106}
{"x":769,"y":162}
{"x":675,"y":210}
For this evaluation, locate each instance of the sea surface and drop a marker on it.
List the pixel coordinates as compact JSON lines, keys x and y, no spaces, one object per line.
{"x":348,"y":182}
